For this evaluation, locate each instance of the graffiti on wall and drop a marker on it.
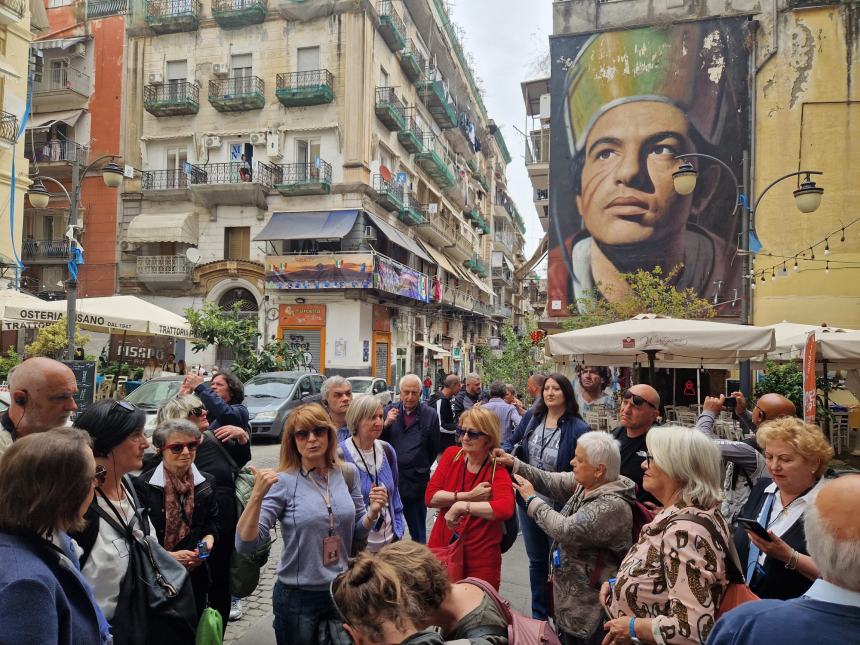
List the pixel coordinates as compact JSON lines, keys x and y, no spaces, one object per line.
{"x":334,"y":271}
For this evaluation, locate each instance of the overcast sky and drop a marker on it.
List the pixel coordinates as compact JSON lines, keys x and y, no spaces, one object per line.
{"x":508,"y":39}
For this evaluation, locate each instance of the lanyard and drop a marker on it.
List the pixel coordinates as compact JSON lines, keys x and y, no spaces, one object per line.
{"x":544,"y":443}
{"x":463,"y":488}
{"x":375,"y":475}
{"x":327,"y":499}
{"x":120,"y":516}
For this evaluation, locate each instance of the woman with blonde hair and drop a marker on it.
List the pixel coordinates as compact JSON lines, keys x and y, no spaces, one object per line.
{"x":672,"y":580}
{"x":317,"y":500}
{"x":796,"y":455}
{"x":474,"y":497}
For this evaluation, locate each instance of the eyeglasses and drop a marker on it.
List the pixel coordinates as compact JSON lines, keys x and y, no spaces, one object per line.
{"x":317,"y":432}
{"x":761,"y":412}
{"x":472,"y":434}
{"x":647,"y":456}
{"x":197,"y":412}
{"x":637,"y":400}
{"x":125,"y":406}
{"x":101,"y":476}
{"x":177,"y":448}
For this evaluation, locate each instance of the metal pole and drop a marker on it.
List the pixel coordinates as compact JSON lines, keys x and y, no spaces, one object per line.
{"x":72,"y":283}
{"x":746,"y":292}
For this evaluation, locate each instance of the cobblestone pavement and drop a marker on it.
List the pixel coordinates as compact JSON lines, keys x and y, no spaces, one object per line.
{"x":255,"y":626}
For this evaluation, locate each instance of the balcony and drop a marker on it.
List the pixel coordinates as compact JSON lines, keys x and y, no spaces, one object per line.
{"x":431,"y":161}
{"x":411,"y":137}
{"x":304,"y":179}
{"x":173,"y":16}
{"x":456,"y":192}
{"x":502,"y":276}
{"x":391,"y":26}
{"x":176,"y":98}
{"x":437,"y":230}
{"x":476,"y":266}
{"x":106,"y":8}
{"x":61,"y":88}
{"x":462,"y":246}
{"x":297,"y":89}
{"x":164,"y":270}
{"x":474,"y":215}
{"x":237,"y":94}
{"x":54,"y":156}
{"x":457,"y":298}
{"x":537,"y":147}
{"x":11,"y":11}
{"x":8,"y":128}
{"x":414,"y":212}
{"x":389,"y":194}
{"x":45,"y":251}
{"x":481,"y":179}
{"x":503,"y":311}
{"x":412,"y":62}
{"x":232,"y":183}
{"x":390,"y":108}
{"x":166,"y":185}
{"x":231,"y":14}
{"x":432,"y":94}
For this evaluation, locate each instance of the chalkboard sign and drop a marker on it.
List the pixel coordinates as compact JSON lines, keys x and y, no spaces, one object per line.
{"x":85,"y":375}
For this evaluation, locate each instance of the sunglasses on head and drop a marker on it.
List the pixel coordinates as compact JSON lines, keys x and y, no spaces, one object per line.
{"x":177,"y":448}
{"x":197,"y":412}
{"x":101,"y":475}
{"x":317,"y":432}
{"x":125,"y":406}
{"x":637,"y":400}
{"x":472,"y":434}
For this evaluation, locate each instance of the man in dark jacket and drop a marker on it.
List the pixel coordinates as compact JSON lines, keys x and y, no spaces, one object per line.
{"x":640,"y":407}
{"x":413,"y":429}
{"x":441,"y":402}
{"x":468,"y":396}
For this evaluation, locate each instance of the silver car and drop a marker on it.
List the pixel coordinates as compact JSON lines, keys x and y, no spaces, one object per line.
{"x":271,"y":396}
{"x":371,"y":385}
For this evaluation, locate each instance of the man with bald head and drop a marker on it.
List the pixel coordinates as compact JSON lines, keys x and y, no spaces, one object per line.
{"x":41,"y":392}
{"x":829,"y":612}
{"x":640,"y":407}
{"x":743,"y":460}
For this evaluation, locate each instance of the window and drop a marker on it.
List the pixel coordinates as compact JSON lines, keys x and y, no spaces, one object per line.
{"x":307,"y":59}
{"x":240,"y":64}
{"x":318,"y":381}
{"x":176,"y":177}
{"x":47,"y":228}
{"x":59,"y":70}
{"x":307,"y":153}
{"x":177,"y":74}
{"x":59,"y":3}
{"x":383,"y":77}
{"x":237,"y":243}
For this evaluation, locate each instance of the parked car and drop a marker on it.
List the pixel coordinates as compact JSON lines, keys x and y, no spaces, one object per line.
{"x":371,"y":385}
{"x":150,"y":396}
{"x":271,"y":396}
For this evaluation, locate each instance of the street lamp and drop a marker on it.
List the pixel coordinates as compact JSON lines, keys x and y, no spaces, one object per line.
{"x":112,"y":175}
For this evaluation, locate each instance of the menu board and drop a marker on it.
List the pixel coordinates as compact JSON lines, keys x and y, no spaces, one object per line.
{"x":85,"y":375}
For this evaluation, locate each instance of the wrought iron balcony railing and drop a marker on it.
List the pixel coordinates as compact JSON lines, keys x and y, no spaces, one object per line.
{"x":315,"y":171}
{"x":235,"y":172}
{"x":104,"y":8}
{"x":301,"y":80}
{"x":236,"y":86}
{"x":15,"y":6}
{"x":45,"y":249}
{"x":63,"y":78}
{"x":8,"y":126}
{"x":163,"y":265}
{"x":53,"y":150}
{"x":165,"y":179}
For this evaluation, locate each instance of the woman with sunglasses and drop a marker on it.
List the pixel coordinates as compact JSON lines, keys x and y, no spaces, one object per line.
{"x":220,"y":457}
{"x":317,"y":500}
{"x":377,"y":466}
{"x":547,"y":442}
{"x":474,"y":497}
{"x":180,"y":501}
{"x":43,"y":596}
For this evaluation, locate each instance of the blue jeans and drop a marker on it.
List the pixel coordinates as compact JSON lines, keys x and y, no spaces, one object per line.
{"x":298,"y":614}
{"x":538,"y":545}
{"x":415,"y":514}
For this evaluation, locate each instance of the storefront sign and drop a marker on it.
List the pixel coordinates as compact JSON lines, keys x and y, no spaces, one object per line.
{"x":138,"y":349}
{"x":381,"y":318}
{"x":302,"y":316}
{"x":335,"y":271}
{"x":396,"y":278}
{"x":809,"y":385}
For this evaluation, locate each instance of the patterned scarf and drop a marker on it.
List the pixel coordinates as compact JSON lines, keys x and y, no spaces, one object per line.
{"x":178,"y":507}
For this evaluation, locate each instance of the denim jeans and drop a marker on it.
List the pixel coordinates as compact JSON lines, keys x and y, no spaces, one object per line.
{"x":537,"y":547}
{"x":298,"y":614}
{"x":415,"y":514}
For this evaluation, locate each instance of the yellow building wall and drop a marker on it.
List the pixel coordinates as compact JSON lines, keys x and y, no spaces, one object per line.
{"x":14,"y":99}
{"x":808,"y":117}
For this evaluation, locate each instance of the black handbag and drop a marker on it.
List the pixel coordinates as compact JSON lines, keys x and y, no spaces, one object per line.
{"x":156,"y":602}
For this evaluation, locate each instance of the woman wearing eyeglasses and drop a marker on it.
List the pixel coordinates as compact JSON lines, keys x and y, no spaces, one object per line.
{"x":316,"y":498}
{"x":548,"y":443}
{"x":180,"y":502}
{"x":474,"y":497}
{"x":221,"y":457}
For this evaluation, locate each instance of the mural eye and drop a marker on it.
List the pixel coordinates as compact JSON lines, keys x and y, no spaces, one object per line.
{"x":604,"y":154}
{"x":663,"y":149}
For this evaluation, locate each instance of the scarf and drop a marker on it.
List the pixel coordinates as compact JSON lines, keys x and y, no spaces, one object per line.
{"x":178,"y":507}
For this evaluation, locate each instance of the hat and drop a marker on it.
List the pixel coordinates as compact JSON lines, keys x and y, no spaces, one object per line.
{"x":683,"y":65}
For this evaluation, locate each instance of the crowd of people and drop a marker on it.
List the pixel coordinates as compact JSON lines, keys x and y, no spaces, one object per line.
{"x":635,"y":535}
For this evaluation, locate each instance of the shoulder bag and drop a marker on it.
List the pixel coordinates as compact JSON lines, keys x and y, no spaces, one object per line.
{"x":451,"y":556}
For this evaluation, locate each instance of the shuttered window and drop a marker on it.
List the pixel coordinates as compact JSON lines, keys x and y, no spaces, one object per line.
{"x":237,"y":243}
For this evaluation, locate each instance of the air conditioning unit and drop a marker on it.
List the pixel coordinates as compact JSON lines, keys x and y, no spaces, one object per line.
{"x":258,"y":138}
{"x":128,"y":247}
{"x":220,"y":69}
{"x":156,"y":79}
{"x":79,"y":50}
{"x":544,"y":106}
{"x":212,"y":141}
{"x":369,"y":233}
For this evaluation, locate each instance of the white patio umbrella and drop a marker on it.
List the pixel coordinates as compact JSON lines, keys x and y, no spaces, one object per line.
{"x":790,"y":339}
{"x":13,"y":301}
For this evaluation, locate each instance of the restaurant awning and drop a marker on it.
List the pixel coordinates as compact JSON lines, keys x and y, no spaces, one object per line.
{"x":45,"y":120}
{"x":399,"y":238}
{"x":320,"y":225}
{"x":437,"y":349}
{"x":441,"y":260}
{"x":58,"y":43}
{"x":163,"y":227}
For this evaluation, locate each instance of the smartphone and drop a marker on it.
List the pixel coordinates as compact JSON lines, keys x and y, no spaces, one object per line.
{"x":202,"y":550}
{"x":730,"y":403}
{"x":754,"y":527}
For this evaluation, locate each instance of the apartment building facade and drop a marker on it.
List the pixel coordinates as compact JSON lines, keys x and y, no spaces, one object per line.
{"x":329,"y":165}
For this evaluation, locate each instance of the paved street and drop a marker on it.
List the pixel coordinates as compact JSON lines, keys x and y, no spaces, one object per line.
{"x":255,"y":627}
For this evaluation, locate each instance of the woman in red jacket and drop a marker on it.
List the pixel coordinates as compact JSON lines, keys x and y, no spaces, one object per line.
{"x":474,"y":497}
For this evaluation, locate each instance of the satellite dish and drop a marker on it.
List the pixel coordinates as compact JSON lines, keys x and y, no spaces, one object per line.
{"x":192,"y":254}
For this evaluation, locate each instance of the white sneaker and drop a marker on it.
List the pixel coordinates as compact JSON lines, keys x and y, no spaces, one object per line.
{"x":235,"y":609}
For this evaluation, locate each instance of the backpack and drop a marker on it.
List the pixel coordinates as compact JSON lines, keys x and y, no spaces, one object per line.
{"x":642,"y":516}
{"x":522,"y":630}
{"x":511,"y":527}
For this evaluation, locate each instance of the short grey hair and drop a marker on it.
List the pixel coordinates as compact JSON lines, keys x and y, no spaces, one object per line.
{"x":332,"y":382}
{"x":408,"y":377}
{"x":837,"y":560}
{"x":691,"y":459}
{"x":179,"y":407}
{"x":170,"y":427}
{"x":602,"y":448}
{"x":363,"y":407}
{"x":472,"y":376}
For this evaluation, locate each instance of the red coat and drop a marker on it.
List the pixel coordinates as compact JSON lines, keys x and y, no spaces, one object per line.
{"x":482,"y":538}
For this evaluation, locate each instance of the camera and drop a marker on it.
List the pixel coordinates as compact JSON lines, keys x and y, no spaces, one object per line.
{"x":730,"y":403}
